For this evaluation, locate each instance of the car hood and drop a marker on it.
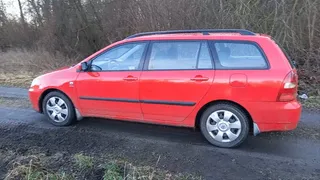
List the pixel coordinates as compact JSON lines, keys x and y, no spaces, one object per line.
{"x":56,"y":78}
{"x":57,"y":71}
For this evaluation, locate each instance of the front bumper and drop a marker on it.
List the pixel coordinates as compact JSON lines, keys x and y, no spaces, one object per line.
{"x":34,"y":97}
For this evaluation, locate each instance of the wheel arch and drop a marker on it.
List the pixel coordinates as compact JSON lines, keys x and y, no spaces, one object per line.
{"x":211,"y":103}
{"x":47,"y":91}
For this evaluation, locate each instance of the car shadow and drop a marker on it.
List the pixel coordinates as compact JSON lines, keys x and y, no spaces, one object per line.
{"x":263,"y":143}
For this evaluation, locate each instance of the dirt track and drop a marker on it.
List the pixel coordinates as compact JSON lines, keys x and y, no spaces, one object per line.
{"x":290,"y":155}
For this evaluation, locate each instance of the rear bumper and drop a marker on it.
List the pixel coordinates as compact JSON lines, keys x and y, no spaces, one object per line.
{"x":277,"y":126}
{"x":275,"y":116}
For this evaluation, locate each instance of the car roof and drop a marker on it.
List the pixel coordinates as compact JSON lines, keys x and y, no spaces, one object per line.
{"x":205,"y":34}
{"x":154,"y":36}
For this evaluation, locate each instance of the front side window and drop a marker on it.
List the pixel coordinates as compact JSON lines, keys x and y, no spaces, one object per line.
{"x":239,"y":55}
{"x":179,"y":56}
{"x":120,"y":58}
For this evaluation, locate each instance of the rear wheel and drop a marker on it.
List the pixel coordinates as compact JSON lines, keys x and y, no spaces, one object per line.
{"x":58,"y":109}
{"x":224,"y":125}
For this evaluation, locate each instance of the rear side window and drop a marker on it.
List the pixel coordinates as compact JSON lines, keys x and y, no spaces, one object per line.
{"x":183,"y":55}
{"x":239,"y":55}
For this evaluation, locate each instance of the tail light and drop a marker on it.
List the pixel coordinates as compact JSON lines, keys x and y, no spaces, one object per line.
{"x":289,"y":87}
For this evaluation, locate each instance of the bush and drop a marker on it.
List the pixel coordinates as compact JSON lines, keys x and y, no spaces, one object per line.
{"x":76,"y":28}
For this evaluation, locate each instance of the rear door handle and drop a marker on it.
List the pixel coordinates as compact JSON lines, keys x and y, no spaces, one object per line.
{"x":199,"y":78}
{"x":130,"y":78}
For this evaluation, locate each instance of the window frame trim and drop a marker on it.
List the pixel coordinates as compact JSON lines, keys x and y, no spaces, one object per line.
{"x":216,"y":58}
{"x":142,"y":60}
{"x":147,"y":59}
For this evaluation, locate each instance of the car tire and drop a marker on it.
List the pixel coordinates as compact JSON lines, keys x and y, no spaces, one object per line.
{"x":59,"y":109}
{"x":225,"y":125}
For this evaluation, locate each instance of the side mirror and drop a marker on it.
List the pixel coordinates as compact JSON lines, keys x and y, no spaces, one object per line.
{"x":84,"y":66}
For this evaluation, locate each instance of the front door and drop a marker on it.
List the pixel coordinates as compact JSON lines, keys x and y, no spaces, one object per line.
{"x":111,"y":87}
{"x":176,"y":76}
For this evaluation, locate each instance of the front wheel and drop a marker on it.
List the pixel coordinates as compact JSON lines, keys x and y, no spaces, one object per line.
{"x":58,"y":109}
{"x":225,"y":125}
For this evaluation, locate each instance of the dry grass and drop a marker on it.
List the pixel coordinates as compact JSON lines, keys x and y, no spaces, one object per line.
{"x":312,"y":102}
{"x":14,"y":102}
{"x":19,"y":67}
{"x":18,"y":80}
{"x":36,"y":167}
{"x":33,"y":62}
{"x":121,"y":170}
{"x":31,"y":168}
{"x":83,"y":162}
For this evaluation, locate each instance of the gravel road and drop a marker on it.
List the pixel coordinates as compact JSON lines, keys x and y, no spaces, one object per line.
{"x":286,"y":155}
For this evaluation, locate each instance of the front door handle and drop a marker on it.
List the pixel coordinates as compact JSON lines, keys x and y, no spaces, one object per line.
{"x":199,"y":78}
{"x":130,"y":78}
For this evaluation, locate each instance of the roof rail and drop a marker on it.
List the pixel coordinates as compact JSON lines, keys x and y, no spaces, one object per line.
{"x":203,"y":31}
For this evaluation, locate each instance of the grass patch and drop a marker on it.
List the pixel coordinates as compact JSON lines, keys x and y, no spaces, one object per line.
{"x":83,"y":161}
{"x":122,"y":170}
{"x":113,"y":171}
{"x":23,"y":79}
{"x":19,"y":67}
{"x":80,"y":166}
{"x":14,"y":102}
{"x":31,"y":168}
{"x":311,"y":102}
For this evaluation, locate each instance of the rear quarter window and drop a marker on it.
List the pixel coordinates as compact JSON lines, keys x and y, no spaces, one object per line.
{"x":239,"y":55}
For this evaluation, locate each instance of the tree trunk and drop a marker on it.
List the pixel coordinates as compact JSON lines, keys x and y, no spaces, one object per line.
{"x":21,"y":13}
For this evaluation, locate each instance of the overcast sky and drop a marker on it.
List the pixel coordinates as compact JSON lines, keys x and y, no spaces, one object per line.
{"x":12,"y":6}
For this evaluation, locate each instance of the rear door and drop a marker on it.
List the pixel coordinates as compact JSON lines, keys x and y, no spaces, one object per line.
{"x":244,"y":69}
{"x":176,"y":75}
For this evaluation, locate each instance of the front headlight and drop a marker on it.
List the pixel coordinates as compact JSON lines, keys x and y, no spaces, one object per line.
{"x":35,"y":82}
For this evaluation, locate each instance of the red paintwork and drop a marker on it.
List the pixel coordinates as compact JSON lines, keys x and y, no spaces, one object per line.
{"x":172,"y":85}
{"x":254,"y":90}
{"x":111,"y":85}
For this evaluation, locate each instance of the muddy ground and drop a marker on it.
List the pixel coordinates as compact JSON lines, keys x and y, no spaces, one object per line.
{"x":286,"y":155}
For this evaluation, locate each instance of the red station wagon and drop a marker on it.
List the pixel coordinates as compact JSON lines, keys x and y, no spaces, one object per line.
{"x":225,"y":82}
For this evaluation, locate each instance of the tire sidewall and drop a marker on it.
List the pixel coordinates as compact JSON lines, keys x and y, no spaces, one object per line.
{"x":71,"y":112}
{"x":235,"y":110}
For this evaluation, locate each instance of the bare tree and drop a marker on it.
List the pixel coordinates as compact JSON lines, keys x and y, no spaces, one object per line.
{"x":21,"y":13}
{"x":80,"y":27}
{"x":3,"y":17}
{"x":36,"y":8}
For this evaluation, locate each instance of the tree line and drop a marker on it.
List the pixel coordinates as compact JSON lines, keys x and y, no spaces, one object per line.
{"x":77,"y":28}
